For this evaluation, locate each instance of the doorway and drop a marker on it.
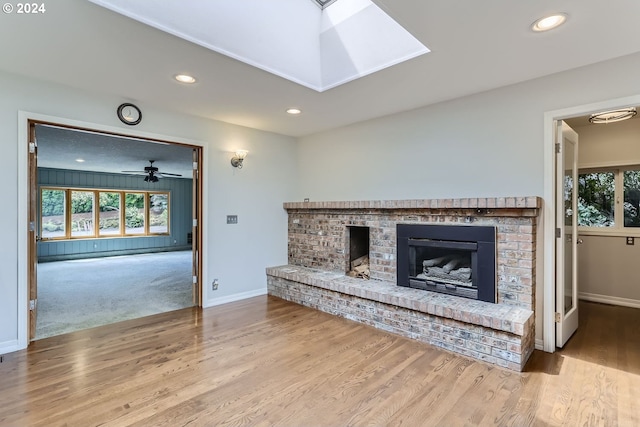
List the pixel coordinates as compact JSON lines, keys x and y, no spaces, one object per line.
{"x":547,"y":301}
{"x":90,"y":163}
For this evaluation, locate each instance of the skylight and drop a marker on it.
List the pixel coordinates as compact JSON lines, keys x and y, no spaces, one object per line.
{"x":323,"y":3}
{"x":317,"y":48}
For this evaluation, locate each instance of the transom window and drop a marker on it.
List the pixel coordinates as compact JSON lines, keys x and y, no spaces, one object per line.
{"x":609,"y":198}
{"x":73,"y":213}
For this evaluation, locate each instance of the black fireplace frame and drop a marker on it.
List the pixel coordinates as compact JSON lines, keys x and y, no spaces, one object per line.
{"x":480,"y":238}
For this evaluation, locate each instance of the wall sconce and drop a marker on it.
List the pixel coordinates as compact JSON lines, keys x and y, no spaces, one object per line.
{"x":238,"y":158}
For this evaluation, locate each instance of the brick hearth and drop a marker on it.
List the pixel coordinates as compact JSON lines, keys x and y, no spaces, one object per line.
{"x":501,"y":334}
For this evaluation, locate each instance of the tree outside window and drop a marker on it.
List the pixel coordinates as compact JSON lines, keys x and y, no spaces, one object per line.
{"x":609,"y":199}
{"x":82,"y":203}
{"x":134,"y":213}
{"x":109,"y":215}
{"x":52,"y":204}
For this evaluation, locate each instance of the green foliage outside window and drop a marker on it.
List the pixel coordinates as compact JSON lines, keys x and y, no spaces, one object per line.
{"x":596,"y":199}
{"x":631,"y":205}
{"x":54,"y":217}
{"x":134,"y":210}
{"x":597,"y":195}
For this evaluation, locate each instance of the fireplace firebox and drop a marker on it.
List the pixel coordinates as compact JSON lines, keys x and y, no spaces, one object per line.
{"x":452,"y":259}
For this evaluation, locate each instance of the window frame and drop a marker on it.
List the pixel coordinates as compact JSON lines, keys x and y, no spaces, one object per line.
{"x":96,"y":213}
{"x":618,"y":229}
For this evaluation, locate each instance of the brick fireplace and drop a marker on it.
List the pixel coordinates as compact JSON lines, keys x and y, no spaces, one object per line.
{"x":319,"y":245}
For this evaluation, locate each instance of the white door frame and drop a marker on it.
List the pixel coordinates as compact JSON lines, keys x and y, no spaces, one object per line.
{"x":23,"y":192}
{"x":549,"y":207}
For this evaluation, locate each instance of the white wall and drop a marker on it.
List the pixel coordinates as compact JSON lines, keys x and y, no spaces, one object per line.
{"x":254,"y":193}
{"x":608,"y":270}
{"x":612,"y":144}
{"x":606,"y":264}
{"x":488,"y":144}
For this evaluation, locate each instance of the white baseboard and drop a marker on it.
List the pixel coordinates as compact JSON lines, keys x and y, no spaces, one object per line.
{"x":235,"y":297}
{"x":9,"y":346}
{"x":606,"y":299}
{"x":539,"y":344}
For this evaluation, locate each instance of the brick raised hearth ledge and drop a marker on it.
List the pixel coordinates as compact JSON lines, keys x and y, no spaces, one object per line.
{"x":501,"y":334}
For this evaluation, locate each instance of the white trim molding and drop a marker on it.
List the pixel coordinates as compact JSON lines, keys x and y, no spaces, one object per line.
{"x":235,"y":297}
{"x":9,"y":347}
{"x":23,"y":171}
{"x":607,"y":299}
{"x":549,"y":326}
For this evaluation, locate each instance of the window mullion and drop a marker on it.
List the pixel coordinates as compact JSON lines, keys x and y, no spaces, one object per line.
{"x":147,"y":209}
{"x":96,"y":213}
{"x":619,"y":197}
{"x":67,"y":213}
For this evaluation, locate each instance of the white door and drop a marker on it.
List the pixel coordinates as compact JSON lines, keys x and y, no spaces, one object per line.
{"x":566,"y":233}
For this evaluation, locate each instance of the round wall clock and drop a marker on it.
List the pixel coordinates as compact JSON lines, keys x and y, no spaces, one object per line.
{"x":129,"y":114}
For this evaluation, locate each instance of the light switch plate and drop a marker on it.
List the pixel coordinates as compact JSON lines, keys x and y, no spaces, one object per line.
{"x":232,"y":219}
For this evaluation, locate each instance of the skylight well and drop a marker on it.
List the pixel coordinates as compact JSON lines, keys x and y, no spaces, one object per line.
{"x":332,"y":45}
{"x":323,"y":3}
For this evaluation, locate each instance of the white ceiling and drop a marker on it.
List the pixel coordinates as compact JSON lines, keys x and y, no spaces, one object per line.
{"x":58,"y":148}
{"x":331,"y":46}
{"x":81,"y":44}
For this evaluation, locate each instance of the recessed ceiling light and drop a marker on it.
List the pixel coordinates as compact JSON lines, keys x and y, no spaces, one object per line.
{"x":185,"y":78}
{"x":294,"y":111}
{"x":80,"y":160}
{"x":549,"y":22}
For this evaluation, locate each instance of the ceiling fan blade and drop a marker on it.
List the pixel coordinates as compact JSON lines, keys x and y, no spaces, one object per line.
{"x":168,"y":174}
{"x":136,"y":172}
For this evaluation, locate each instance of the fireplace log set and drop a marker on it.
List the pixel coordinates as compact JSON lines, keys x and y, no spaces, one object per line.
{"x":451,"y":269}
{"x":360,"y":267}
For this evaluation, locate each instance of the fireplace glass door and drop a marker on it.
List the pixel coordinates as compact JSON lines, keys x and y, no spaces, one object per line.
{"x":443,"y":266}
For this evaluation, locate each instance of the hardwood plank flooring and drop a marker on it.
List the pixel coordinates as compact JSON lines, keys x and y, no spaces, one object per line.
{"x":268,"y":362}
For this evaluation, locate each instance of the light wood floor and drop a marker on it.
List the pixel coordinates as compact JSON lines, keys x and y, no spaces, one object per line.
{"x":264,"y":362}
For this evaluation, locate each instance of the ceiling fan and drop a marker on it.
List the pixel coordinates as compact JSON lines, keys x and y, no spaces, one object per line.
{"x":152,"y":173}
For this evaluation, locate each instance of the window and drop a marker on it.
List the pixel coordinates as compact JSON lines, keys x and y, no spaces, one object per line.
{"x":158,"y":213}
{"x":53,"y":206}
{"x":82,"y":203}
{"x":109,"y":217}
{"x":70,"y":213}
{"x":134,"y":209}
{"x":631,"y":208}
{"x":609,"y":199}
{"x":596,"y":192}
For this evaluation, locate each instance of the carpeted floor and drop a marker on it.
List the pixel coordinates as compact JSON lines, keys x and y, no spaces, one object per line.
{"x":81,"y":294}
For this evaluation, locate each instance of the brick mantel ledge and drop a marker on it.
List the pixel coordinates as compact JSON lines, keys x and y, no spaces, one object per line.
{"x":510,"y":319}
{"x":528,"y":202}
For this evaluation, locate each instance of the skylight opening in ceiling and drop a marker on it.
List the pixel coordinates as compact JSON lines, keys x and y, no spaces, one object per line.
{"x":332,"y":46}
{"x":323,"y":3}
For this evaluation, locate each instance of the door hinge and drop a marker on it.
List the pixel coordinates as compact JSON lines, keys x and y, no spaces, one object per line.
{"x":195,"y":222}
{"x":32,"y":226}
{"x":558,"y":233}
{"x":558,"y":318}
{"x":32,"y":147}
{"x":195,"y":166}
{"x":557,"y":147}
{"x":195,"y":280}
{"x":32,"y":304}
